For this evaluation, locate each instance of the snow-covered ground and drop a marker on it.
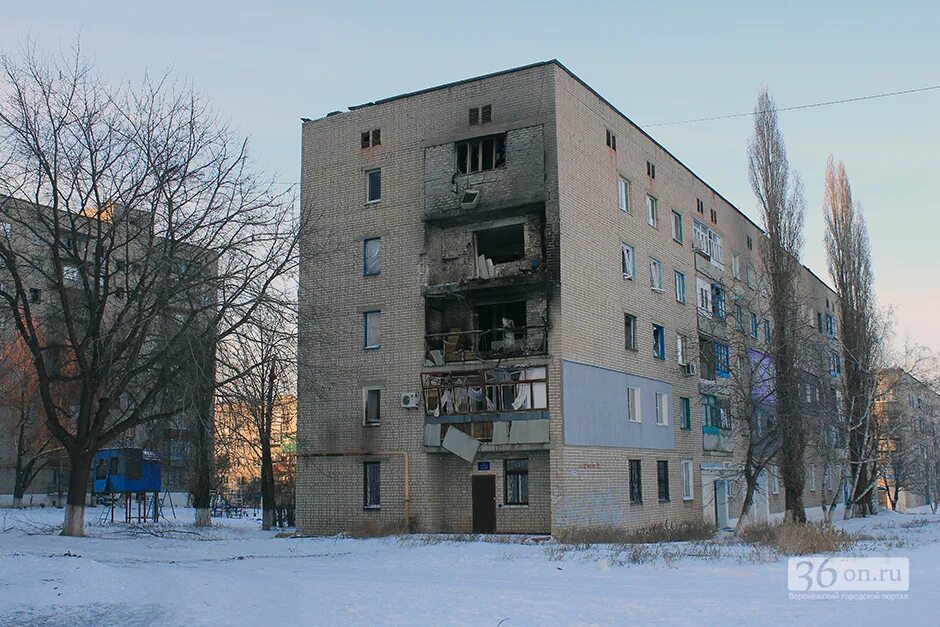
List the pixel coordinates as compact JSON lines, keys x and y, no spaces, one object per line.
{"x":237,"y":574}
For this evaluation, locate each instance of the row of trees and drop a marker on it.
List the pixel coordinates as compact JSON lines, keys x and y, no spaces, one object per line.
{"x":141,"y":250}
{"x":782,"y":399}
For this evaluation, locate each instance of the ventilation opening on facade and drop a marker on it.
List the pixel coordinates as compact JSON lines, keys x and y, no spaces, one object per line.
{"x":503,"y":244}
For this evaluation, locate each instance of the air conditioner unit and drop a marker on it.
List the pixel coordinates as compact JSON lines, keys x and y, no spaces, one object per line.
{"x":690,"y":369}
{"x":409,"y":400}
{"x":469,"y":199}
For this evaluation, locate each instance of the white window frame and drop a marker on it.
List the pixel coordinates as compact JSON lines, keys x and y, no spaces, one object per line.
{"x":367,"y":177}
{"x":652,"y":211}
{"x":678,"y":233}
{"x":377,"y":269}
{"x":634,"y":413}
{"x":6,"y":229}
{"x":366,"y":344}
{"x":812,"y":478}
{"x":662,"y":409}
{"x":626,"y":250}
{"x":736,"y":265}
{"x":682,"y":343}
{"x":703,"y":296}
{"x":656,"y":278}
{"x":688,"y":485}
{"x":708,"y":241}
{"x":365,"y":406}
{"x":623,"y":194}
{"x":680,"y":282}
{"x":774,"y":480}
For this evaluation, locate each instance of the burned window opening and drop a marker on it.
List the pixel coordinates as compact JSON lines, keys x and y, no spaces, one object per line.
{"x":504,"y":244}
{"x":481,"y":154}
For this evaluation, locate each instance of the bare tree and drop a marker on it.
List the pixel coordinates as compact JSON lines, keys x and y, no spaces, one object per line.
{"x":140,"y":216}
{"x":34,"y":448}
{"x":779,"y":194}
{"x":849,"y":260}
{"x":257,"y":375}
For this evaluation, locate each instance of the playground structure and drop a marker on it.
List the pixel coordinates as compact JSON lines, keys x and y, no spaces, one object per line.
{"x":129,"y":475}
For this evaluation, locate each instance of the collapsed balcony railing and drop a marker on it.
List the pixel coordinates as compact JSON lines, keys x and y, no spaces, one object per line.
{"x":486,"y":391}
{"x":481,"y":345}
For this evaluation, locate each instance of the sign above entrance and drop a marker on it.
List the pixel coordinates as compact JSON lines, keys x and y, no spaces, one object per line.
{"x":483,"y":466}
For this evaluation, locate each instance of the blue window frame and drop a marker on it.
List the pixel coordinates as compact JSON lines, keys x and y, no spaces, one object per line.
{"x":659,"y":341}
{"x":372,"y":256}
{"x":739,"y":316}
{"x":722,"y":360}
{"x":372,"y":329}
{"x":767,"y":334}
{"x":830,"y":325}
{"x":754,"y":325}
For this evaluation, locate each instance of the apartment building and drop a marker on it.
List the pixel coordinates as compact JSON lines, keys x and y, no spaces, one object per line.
{"x":25,"y":229}
{"x":514,"y":312}
{"x":908,"y":414}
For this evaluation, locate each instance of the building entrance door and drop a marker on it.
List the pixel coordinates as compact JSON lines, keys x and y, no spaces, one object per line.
{"x":484,"y":503}
{"x":721,"y":503}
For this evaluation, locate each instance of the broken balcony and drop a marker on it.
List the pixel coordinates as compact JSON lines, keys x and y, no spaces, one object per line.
{"x":461,"y":331}
{"x":486,"y":407}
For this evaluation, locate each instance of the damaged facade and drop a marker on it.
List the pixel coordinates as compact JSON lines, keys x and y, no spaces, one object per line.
{"x":499,"y":324}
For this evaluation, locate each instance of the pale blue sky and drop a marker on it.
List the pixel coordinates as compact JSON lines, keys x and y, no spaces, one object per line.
{"x":266,"y":64}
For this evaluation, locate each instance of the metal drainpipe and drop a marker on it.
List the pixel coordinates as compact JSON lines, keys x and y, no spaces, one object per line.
{"x":404,"y":457}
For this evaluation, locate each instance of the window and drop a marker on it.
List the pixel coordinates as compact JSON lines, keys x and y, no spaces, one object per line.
{"x":819,"y":323}
{"x":835,"y":365}
{"x":739,"y":316}
{"x":629,"y":331}
{"x":373,"y":185}
{"x":714,"y":216}
{"x":35,"y":295}
{"x":623,"y":194}
{"x":659,"y":341}
{"x":5,"y":229}
{"x":736,"y":265}
{"x":372,"y":329}
{"x":677,"y":233}
{"x":774,"y":481}
{"x":651,"y":169}
{"x":662,"y":480}
{"x":656,"y":274}
{"x":503,"y":244}
{"x":371,"y":138}
{"x":703,"y":299}
{"x":722,"y":360}
{"x":707,"y":241}
{"x":517,"y":481}
{"x":755,"y":324}
{"x":652,"y":212}
{"x":680,"y":286}
{"x":685,"y":413}
{"x":682,"y":347}
{"x":750,"y":243}
{"x":628,"y":260}
{"x":718,"y":301}
{"x":687,"y":490}
{"x":700,"y":206}
{"x":830,"y":325}
{"x":636,"y":482}
{"x":812,"y":478}
{"x":371,"y":406}
{"x":71,"y":273}
{"x":633,"y":405}
{"x":611,"y":141}
{"x":372,"y":256}
{"x":767,"y":334}
{"x":751,"y":276}
{"x":481,"y":154}
{"x":371,"y":485}
{"x":662,"y":408}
